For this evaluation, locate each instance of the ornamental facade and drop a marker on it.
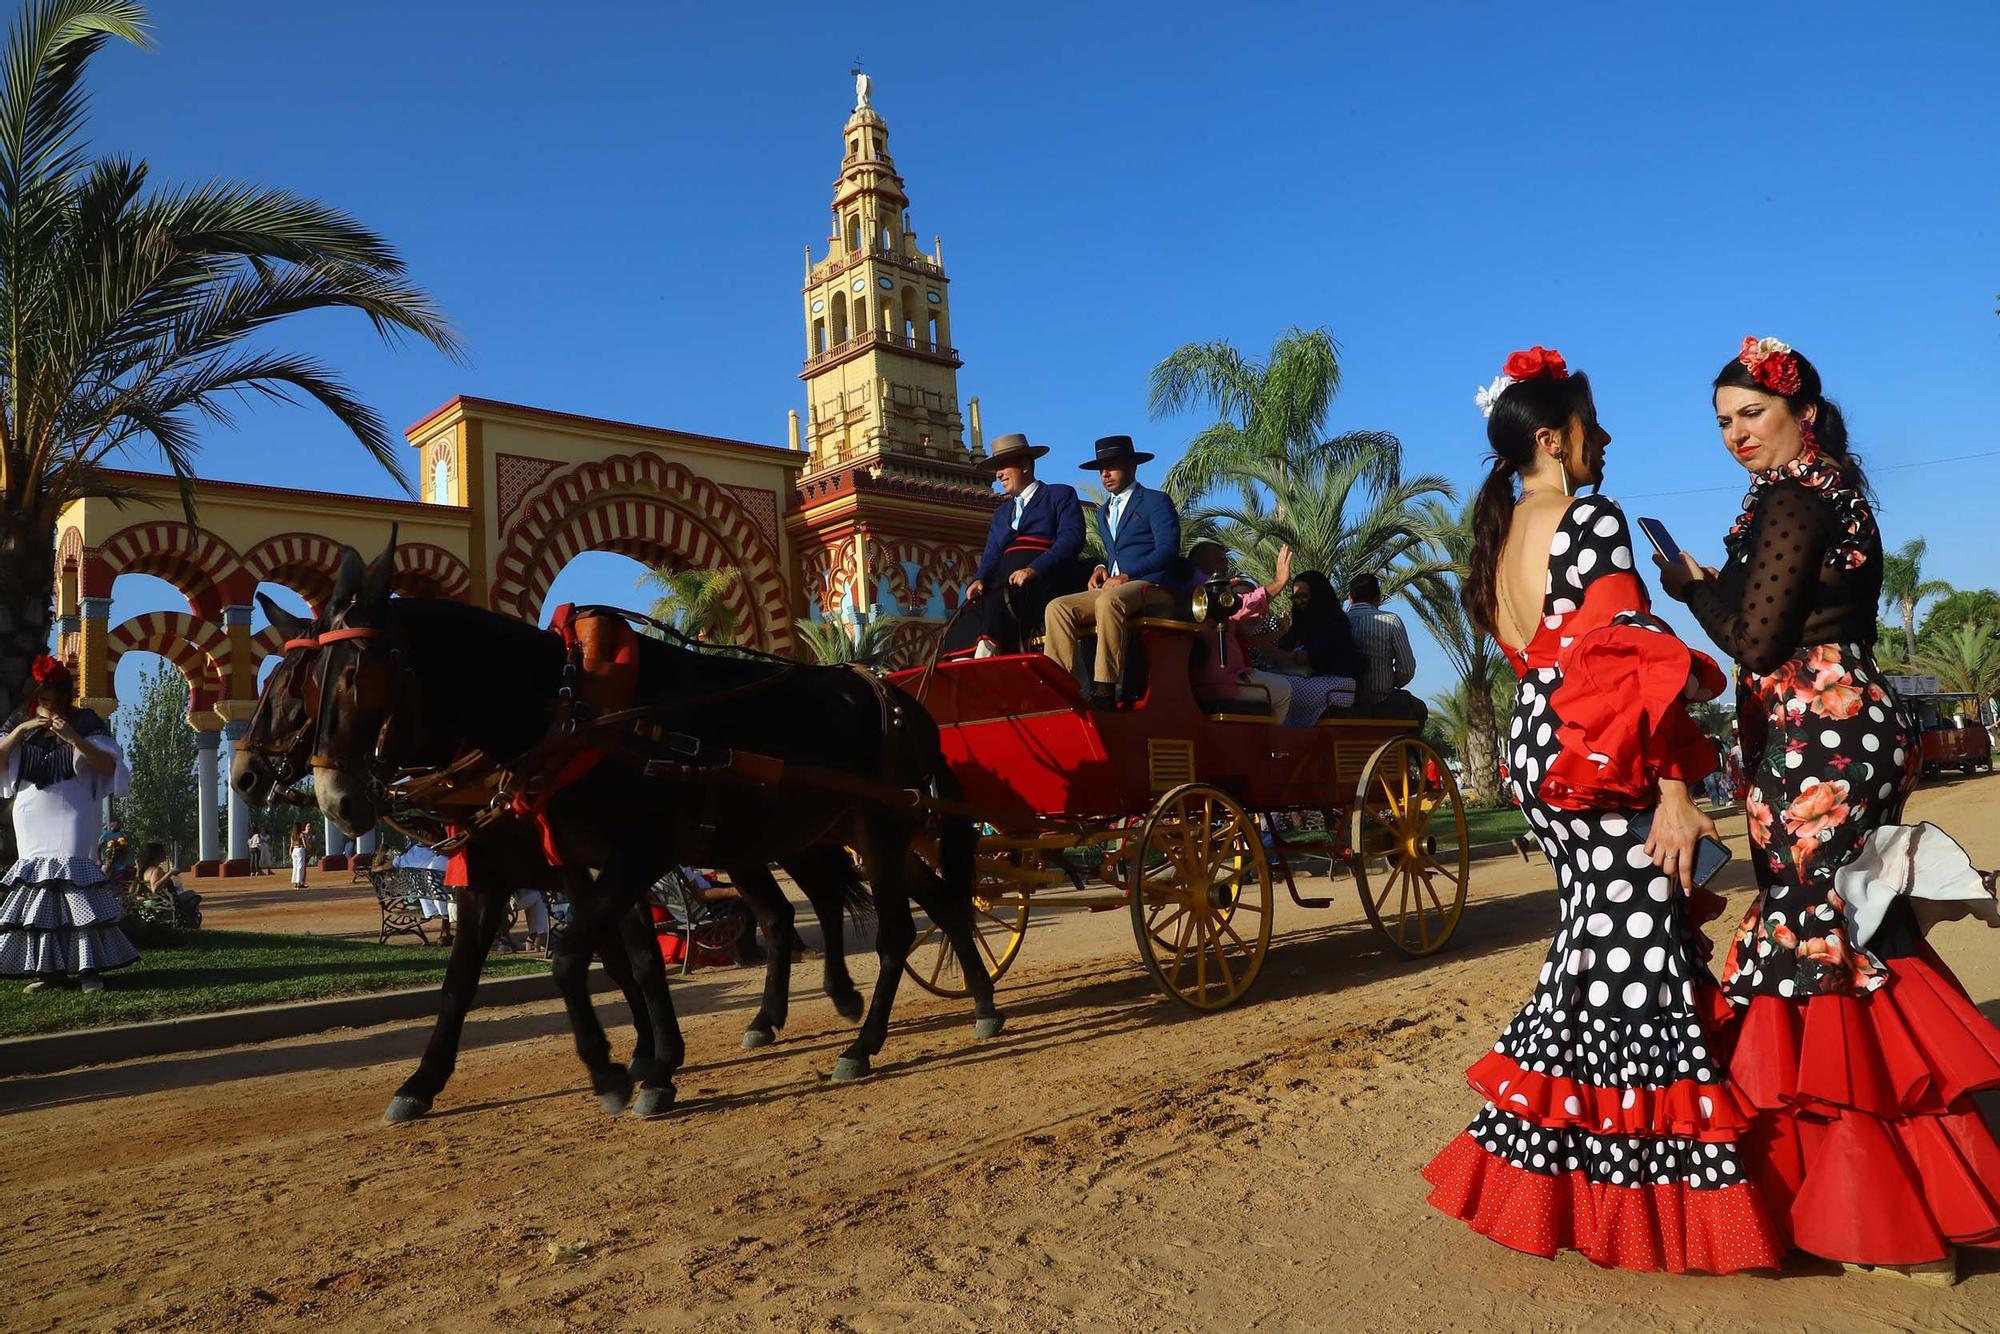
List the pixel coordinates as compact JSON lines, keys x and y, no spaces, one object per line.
{"x":875,"y":507}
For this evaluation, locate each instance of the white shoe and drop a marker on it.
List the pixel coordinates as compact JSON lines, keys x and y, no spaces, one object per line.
{"x":39,"y":984}
{"x":985,"y":649}
{"x":90,"y":984}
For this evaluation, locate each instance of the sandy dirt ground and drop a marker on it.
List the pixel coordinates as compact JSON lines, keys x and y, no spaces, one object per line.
{"x":1107,"y":1163}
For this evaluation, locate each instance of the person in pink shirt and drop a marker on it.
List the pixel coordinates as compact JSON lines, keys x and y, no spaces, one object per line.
{"x":1218,"y":674}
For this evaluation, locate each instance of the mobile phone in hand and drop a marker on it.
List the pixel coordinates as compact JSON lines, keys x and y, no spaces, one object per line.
{"x":1662,"y":540}
{"x":1710,"y":854}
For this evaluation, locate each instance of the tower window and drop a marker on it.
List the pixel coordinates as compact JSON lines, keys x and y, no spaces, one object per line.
{"x":819,"y":336}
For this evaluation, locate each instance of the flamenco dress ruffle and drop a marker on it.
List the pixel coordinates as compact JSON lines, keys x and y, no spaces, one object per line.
{"x":1613,"y":1132}
{"x":60,"y":916}
{"x":1864,"y":1135}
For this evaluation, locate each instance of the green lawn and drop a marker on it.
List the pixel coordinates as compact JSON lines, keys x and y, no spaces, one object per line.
{"x":200,"y":972}
{"x":1494,"y":826}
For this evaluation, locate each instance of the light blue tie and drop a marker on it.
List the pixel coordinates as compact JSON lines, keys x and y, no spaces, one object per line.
{"x":1117,"y":513}
{"x":1020,"y":506}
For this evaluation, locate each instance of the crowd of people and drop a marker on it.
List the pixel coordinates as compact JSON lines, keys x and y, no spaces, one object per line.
{"x":1816,"y":1095}
{"x":1033,"y":580}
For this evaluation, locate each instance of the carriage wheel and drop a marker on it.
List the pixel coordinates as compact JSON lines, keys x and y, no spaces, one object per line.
{"x":1398,"y":815}
{"x":1201,"y":897}
{"x":999,"y":921}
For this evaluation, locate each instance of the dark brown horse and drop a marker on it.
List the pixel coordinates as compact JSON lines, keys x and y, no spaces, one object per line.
{"x":274,"y":753}
{"x":414,"y":684}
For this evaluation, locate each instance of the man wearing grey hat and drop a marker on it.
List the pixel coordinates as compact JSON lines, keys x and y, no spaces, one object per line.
{"x":1141,"y":532}
{"x":1031,"y":550}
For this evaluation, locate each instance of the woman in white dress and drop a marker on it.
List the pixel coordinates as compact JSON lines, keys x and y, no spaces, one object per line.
{"x":59,"y":762}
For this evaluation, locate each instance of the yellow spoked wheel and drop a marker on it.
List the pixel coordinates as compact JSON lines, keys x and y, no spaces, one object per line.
{"x":1400,"y":815}
{"x":1200,"y":890}
{"x":999,"y":921}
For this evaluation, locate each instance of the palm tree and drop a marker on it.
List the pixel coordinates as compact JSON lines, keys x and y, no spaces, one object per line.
{"x":1270,"y":412}
{"x":1484,"y":692}
{"x":830,"y":642}
{"x":695,"y":602}
{"x":1341,"y":512}
{"x":1966,"y":659}
{"x":127,"y":310}
{"x":1904,"y":586}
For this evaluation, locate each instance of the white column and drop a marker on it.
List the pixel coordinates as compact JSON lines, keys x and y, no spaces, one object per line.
{"x":335,"y":840}
{"x":239,"y":814}
{"x":206,"y":780}
{"x":366,"y":846}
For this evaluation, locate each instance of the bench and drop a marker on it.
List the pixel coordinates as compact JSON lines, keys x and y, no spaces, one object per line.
{"x":406,"y":897}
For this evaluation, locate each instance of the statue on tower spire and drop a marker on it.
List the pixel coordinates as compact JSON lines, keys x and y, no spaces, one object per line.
{"x":864,"y":87}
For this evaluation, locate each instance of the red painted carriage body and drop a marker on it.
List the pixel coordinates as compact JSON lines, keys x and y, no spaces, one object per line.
{"x":1017,"y":733}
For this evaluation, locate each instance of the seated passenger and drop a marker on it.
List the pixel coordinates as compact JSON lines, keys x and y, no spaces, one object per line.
{"x":1215,"y":674}
{"x":1031,"y":553}
{"x":1141,"y":532}
{"x":1316,"y":649}
{"x":1382,"y":647}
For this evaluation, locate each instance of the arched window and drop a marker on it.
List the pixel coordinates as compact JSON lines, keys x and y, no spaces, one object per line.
{"x":912,"y":315}
{"x":839,"y":318}
{"x":860,"y":316}
{"x":819,"y":336}
{"x":853,"y":232}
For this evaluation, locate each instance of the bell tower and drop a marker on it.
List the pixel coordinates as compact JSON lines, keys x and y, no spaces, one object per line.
{"x":881,"y":373}
{"x":893,"y":501}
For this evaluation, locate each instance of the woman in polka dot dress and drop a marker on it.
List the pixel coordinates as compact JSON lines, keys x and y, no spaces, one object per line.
{"x":1608,"y":1128}
{"x":1859,"y":1060}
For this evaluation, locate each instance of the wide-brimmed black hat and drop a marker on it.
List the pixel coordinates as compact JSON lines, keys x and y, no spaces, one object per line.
{"x":1012,"y":448}
{"x":1114,"y":450}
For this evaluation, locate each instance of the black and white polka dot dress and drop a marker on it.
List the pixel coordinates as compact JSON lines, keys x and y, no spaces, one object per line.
{"x":1609,"y":1127}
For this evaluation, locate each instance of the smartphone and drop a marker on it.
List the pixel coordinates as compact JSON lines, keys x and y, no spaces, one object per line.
{"x":1662,"y":540}
{"x":1710,"y":855}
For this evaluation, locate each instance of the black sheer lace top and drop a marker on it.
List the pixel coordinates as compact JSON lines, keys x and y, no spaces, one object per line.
{"x":1805,"y":567}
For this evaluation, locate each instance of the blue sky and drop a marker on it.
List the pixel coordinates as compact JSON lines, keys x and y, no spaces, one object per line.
{"x":613,"y":213}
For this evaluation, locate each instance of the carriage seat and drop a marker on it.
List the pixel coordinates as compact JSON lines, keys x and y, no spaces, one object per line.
{"x":1245,"y":699}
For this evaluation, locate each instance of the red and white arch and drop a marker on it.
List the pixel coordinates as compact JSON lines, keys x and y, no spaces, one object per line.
{"x":198,"y":648}
{"x":644,"y":507}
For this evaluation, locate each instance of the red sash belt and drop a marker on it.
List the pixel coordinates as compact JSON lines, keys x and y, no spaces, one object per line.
{"x":1019,"y":543}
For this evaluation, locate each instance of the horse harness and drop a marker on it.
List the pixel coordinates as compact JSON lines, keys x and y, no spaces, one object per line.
{"x":593,"y":720}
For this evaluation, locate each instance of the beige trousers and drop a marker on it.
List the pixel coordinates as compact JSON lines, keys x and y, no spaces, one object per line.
{"x":1107,"y":610}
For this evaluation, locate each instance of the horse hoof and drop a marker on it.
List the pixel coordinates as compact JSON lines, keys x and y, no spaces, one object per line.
{"x":848,"y":1007}
{"x":754,"y":1038}
{"x":404,"y":1108}
{"x":989,"y":1026}
{"x":649,"y":1103}
{"x":850,"y":1068}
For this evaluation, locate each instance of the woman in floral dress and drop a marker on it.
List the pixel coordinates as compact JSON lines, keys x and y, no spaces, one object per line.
{"x":1860,"y":1061}
{"x":1609,"y":1127}
{"x":60,"y":915}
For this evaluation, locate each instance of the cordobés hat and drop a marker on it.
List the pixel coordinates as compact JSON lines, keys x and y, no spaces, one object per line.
{"x":1012,"y":448}
{"x":1114,"y":450}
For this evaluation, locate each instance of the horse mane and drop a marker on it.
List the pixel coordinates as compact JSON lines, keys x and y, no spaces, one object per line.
{"x":484,"y":677}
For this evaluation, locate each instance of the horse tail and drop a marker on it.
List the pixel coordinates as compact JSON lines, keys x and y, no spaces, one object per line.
{"x":958,"y":841}
{"x":854,"y":894}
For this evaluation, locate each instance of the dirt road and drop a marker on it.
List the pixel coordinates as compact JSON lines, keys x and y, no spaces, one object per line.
{"x":1105,"y":1164}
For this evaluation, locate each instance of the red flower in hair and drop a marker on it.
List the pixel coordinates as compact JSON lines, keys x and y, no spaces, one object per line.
{"x":1536,"y":362}
{"x":48,"y":669}
{"x":1772,"y":364}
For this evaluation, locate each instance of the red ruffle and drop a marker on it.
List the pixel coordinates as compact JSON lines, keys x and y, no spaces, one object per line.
{"x":1684,"y":1109}
{"x":1625,"y":723}
{"x":1864,"y":1135}
{"x":1908,"y":1049}
{"x":1670,"y":1227}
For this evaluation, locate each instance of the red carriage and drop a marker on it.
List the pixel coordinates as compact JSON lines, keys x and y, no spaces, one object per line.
{"x":1167,"y":809}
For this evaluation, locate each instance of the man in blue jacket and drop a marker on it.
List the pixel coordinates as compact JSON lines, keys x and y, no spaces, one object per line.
{"x":1142,"y":555}
{"x":1031,"y":550}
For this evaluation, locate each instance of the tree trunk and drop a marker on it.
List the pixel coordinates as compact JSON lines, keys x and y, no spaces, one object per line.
{"x":1482,"y":743}
{"x":27,"y":588}
{"x":1909,"y":630}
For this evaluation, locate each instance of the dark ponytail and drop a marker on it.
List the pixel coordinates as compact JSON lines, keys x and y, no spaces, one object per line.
{"x":1525,"y":407}
{"x":1829,"y":426}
